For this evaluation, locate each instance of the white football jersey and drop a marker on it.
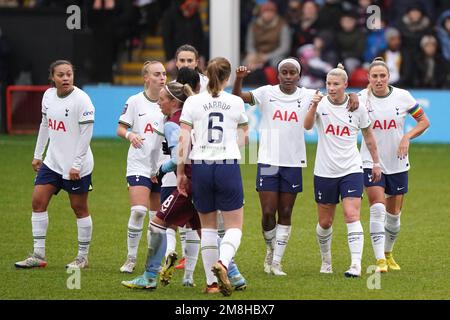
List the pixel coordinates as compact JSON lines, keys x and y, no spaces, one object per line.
{"x":281,"y":131}
{"x":388,"y":120}
{"x":215,"y":122}
{"x":64,"y":116}
{"x":337,"y":128}
{"x":145,"y":118}
{"x":203,"y":82}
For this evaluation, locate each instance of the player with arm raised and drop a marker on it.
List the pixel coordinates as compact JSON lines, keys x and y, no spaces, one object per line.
{"x":338,"y":167}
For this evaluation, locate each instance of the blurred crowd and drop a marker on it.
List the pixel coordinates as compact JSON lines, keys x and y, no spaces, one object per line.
{"x":413,"y":36}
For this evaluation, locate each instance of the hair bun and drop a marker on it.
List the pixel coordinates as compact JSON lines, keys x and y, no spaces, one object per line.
{"x":340,"y":66}
{"x":378,"y":59}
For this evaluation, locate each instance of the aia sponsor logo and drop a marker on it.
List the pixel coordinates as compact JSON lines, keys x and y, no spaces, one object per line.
{"x":384,"y":124}
{"x":285,"y":116}
{"x":56,"y":125}
{"x":337,"y":130}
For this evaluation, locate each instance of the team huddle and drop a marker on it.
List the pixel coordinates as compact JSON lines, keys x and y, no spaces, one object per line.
{"x":183,"y":165}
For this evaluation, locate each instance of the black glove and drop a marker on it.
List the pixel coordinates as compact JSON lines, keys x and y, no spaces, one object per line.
{"x":160,"y":175}
{"x":165,"y":148}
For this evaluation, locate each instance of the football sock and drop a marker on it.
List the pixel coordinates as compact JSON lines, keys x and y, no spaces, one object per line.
{"x":210,"y":253}
{"x":183,"y":231}
{"x":377,"y":217}
{"x":84,"y":235}
{"x":157,"y":247}
{"x":229,"y":245}
{"x":281,"y":239}
{"x":269,"y":238}
{"x":39,"y":224}
{"x":392,"y":228}
{"x":355,"y":239}
{"x":191,"y":255}
{"x":324,"y":237}
{"x":135,"y":224}
{"x":171,"y":235}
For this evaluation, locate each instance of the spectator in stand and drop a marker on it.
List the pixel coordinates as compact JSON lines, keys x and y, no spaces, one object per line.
{"x":268,"y":38}
{"x":375,"y":42}
{"x":318,"y":59}
{"x":350,"y":41}
{"x":443,"y":33}
{"x":181,"y":24}
{"x":248,"y":10}
{"x":362,"y":13}
{"x":307,"y":28}
{"x":429,"y":65}
{"x":413,"y":26}
{"x":396,"y":60}
{"x":293,"y":14}
{"x":396,"y":9}
{"x":329,"y":15}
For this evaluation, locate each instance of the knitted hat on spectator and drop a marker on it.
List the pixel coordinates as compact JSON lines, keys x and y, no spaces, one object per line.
{"x":268,"y":6}
{"x":390,"y":33}
{"x":415,"y":6}
{"x":426,"y":40}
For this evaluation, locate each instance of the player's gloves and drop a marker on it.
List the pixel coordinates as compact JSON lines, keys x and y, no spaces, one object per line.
{"x":160,"y":175}
{"x":165,"y":148}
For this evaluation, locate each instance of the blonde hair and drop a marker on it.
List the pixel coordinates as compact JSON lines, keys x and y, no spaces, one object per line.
{"x":178,"y":91}
{"x":219,"y":70}
{"x":339,"y":71}
{"x":145,"y":67}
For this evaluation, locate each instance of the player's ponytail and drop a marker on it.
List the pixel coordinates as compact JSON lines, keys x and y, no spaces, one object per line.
{"x":179,"y":92}
{"x":218,"y":71}
{"x":339,"y":71}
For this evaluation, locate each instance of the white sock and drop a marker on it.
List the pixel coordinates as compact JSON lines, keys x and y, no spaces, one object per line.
{"x":192,"y":249}
{"x":392,"y":228}
{"x":171,"y":241}
{"x":229,"y":245}
{"x":269,"y":238}
{"x":84,"y":235}
{"x":183,"y":232}
{"x":355,"y":239}
{"x":210,"y":253}
{"x":377,"y":217}
{"x":324,"y":237}
{"x":152,"y":214}
{"x":39,"y":225}
{"x":281,"y":239}
{"x":220,"y":225}
{"x":135,"y":224}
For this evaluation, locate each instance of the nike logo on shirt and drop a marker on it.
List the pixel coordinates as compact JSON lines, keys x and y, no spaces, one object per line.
{"x":272,"y":100}
{"x":140,"y":115}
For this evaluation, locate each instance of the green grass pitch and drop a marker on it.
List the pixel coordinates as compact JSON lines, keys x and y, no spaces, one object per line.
{"x":422,"y":249}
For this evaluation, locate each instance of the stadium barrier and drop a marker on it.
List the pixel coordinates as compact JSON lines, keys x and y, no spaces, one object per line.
{"x":24,"y":107}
